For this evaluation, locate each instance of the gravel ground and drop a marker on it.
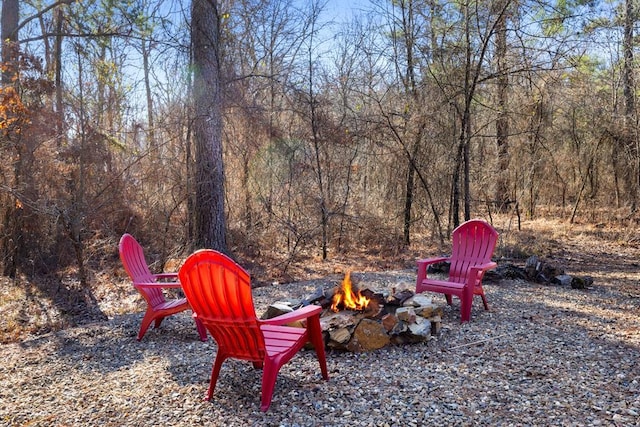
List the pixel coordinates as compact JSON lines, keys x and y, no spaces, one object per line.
{"x":544,"y":355}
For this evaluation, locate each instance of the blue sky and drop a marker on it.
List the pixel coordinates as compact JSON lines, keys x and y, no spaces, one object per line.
{"x":343,"y":10}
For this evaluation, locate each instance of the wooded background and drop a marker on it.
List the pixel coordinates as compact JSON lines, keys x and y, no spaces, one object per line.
{"x":395,"y":119}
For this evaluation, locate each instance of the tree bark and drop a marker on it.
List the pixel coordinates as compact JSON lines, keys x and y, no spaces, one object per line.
{"x":209,"y":215}
{"x":9,"y":34}
{"x":629,"y":137}
{"x":146,"y":51}
{"x":502,"y":198}
{"x":59,"y":17}
{"x":12,"y":241}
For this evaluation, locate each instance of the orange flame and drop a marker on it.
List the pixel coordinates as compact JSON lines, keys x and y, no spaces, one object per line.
{"x":345,"y":296}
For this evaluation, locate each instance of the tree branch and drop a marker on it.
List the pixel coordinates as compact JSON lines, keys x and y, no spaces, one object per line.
{"x":42,"y":12}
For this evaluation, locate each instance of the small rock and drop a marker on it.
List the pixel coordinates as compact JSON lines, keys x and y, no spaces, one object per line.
{"x":581,"y":282}
{"x":389,"y":321}
{"x":277,"y":309}
{"x":423,"y":330}
{"x":418,"y":300}
{"x":562,"y":280}
{"x":429,"y":310}
{"x":406,"y":314}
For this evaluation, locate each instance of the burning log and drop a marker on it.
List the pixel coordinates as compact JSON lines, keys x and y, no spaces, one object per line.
{"x":363,"y":320}
{"x":347,"y":298}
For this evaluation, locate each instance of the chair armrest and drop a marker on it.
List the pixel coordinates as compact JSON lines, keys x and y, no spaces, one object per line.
{"x":301,"y":313}
{"x":477,"y":271}
{"x":484,"y":267}
{"x":424,"y":263}
{"x":158,"y":285}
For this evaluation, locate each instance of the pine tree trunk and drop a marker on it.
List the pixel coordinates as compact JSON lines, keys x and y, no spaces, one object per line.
{"x":209,"y":215}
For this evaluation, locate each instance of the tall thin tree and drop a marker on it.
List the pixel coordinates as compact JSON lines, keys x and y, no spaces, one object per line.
{"x":11,"y":217}
{"x":209,"y":214}
{"x":629,"y":138}
{"x":502,"y":199}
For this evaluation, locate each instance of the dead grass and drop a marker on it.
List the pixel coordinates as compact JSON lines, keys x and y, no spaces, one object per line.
{"x":33,"y":306}
{"x":26,"y":311}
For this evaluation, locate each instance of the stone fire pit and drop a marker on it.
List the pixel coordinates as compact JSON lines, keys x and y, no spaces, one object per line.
{"x":391,"y":317}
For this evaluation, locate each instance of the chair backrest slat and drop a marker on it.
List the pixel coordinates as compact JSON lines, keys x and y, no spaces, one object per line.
{"x":473,"y":243}
{"x":219,"y":292}
{"x":135,"y":264}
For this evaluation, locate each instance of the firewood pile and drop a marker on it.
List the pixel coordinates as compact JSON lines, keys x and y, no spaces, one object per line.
{"x":540,"y":271}
{"x":394,"y":317}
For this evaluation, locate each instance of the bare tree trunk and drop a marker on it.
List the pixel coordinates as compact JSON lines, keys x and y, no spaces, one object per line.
{"x":455,"y":182}
{"x":410,"y":86}
{"x":9,"y":33}
{"x":408,"y":197}
{"x":74,"y":222}
{"x":59,"y":16}
{"x":465,"y":116}
{"x":628,"y":78}
{"x":415,"y":122}
{"x":210,"y":223}
{"x":324,"y":211}
{"x":248,"y":211}
{"x":473,"y":67}
{"x":12,"y":218}
{"x":146,"y":47}
{"x":317,"y":141}
{"x":629,"y":138}
{"x":467,"y":169}
{"x":502,"y":198}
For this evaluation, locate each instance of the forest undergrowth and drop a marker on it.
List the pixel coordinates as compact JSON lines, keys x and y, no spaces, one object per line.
{"x":37,"y":305}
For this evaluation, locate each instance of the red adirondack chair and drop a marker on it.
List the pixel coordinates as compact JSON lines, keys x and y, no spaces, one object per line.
{"x":151,"y":287}
{"x":473,"y":243}
{"x":219,"y":292}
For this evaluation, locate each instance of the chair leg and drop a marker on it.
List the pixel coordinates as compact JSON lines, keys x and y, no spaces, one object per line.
{"x":269,"y":375}
{"x":158,"y":322}
{"x":478,"y":290}
{"x":449,"y":299}
{"x":215,"y":371}
{"x":146,"y":321}
{"x":465,"y":308}
{"x":484,"y":301}
{"x":202,"y":331}
{"x":315,"y":336}
{"x":466,"y":301}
